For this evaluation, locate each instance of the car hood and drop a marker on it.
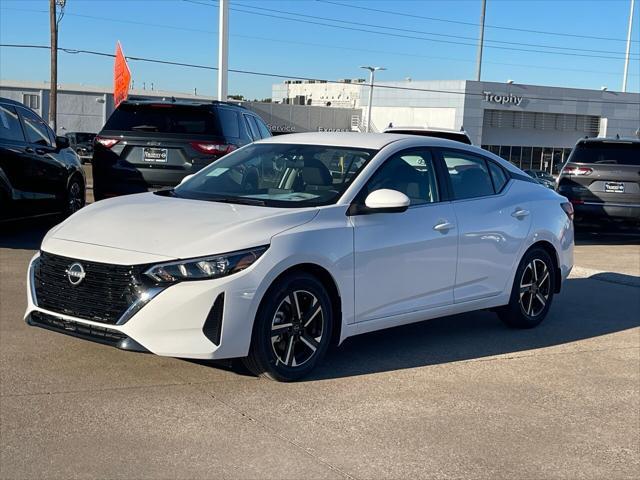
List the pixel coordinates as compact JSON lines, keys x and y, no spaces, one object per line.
{"x":170,"y":227}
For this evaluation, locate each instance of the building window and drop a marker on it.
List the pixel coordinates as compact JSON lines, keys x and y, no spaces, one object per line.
{"x":31,"y":100}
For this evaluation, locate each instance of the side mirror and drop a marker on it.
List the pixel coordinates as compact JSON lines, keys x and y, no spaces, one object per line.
{"x":382,"y":201}
{"x":62,"y":142}
{"x":186,"y":178}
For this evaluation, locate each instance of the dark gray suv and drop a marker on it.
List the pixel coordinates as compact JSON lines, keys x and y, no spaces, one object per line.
{"x":153,"y":144}
{"x":601,"y":178}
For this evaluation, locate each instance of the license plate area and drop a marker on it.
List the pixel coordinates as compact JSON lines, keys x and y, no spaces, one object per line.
{"x":614,"y":187}
{"x":155,"y":155}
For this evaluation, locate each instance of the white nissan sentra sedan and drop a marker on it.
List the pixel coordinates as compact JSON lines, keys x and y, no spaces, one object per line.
{"x":288,"y":244}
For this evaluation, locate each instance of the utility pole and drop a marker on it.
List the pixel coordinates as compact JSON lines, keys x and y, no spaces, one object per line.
{"x":626,"y":58}
{"x":481,"y":41}
{"x":372,"y":71}
{"x":223,"y":50}
{"x":54,"y":21}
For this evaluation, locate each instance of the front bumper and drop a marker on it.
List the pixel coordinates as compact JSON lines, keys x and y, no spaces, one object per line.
{"x":175,"y":323}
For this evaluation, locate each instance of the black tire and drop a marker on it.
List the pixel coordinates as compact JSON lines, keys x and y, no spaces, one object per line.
{"x":300,"y":342}
{"x":532,"y":292}
{"x":75,"y":197}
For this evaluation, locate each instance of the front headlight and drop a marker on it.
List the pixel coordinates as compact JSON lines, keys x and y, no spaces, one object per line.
{"x":205,"y":268}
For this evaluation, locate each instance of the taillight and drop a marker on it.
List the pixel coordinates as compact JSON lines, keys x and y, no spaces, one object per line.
{"x":577,"y":171}
{"x":568,"y":209}
{"x":213,"y":148}
{"x":107,"y":142}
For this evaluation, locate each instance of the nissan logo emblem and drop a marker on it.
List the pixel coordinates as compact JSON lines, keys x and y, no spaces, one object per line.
{"x":75,"y":273}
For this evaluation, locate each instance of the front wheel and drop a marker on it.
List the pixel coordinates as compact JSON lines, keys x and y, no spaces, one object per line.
{"x":532,"y":291}
{"x":292,"y":329}
{"x":75,"y":198}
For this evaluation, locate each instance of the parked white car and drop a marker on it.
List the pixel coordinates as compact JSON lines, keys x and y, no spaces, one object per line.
{"x":288,"y":244}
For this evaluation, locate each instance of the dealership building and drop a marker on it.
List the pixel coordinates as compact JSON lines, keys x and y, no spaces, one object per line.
{"x":530,"y":125}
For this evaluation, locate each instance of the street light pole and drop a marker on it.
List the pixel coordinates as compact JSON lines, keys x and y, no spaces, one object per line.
{"x":372,"y":71}
{"x":626,"y":58}
{"x":480,"y":41}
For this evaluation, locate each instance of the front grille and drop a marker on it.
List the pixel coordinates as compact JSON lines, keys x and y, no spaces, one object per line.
{"x":103,"y":295}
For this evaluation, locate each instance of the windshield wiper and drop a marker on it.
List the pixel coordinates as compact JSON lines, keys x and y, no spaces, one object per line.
{"x":239,"y":200}
{"x":151,"y":128}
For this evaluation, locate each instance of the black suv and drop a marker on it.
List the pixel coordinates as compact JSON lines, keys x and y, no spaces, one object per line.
{"x":38,"y":172}
{"x":151,"y":144}
{"x":601,"y":178}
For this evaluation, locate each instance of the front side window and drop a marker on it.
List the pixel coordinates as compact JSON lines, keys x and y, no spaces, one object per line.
{"x":35,"y":128}
{"x":469,"y":175}
{"x":411,"y":173}
{"x":278,"y":175}
{"x":10,"y":128}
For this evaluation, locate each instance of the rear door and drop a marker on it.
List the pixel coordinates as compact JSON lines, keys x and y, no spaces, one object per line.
{"x":603,"y":172}
{"x":493,"y":223}
{"x":45,"y":174}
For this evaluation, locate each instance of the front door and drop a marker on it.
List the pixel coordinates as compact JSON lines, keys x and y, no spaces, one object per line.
{"x":405,"y":262}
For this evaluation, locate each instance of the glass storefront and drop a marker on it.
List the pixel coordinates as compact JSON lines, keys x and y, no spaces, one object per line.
{"x":549,"y":159}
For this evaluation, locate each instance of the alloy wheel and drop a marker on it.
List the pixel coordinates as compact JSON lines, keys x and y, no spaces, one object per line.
{"x":297,"y":328}
{"x":74,"y":199}
{"x":535,"y":287}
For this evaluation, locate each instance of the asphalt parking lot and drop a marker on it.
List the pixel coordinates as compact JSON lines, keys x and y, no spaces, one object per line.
{"x":460,"y":396}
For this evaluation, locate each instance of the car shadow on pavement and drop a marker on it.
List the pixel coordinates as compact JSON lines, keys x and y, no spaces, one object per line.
{"x":476,"y":335}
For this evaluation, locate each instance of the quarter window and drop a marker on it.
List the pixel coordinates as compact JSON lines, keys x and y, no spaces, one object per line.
{"x":411,"y":173}
{"x":253,"y":128}
{"x":469,"y":175}
{"x":10,"y":128}
{"x":498,"y":176}
{"x":35,"y":129}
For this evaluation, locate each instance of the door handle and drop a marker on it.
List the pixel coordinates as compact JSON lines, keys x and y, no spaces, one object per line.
{"x":28,"y":150}
{"x":520,"y":213}
{"x":443,"y":226}
{"x":40,"y":151}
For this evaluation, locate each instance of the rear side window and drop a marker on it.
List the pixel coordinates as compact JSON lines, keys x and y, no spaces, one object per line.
{"x":35,"y":128}
{"x":469,"y":175}
{"x":166,"y":118}
{"x":253,"y":127}
{"x":498,"y":176}
{"x":229,"y":122}
{"x":10,"y":128}
{"x":611,"y":153}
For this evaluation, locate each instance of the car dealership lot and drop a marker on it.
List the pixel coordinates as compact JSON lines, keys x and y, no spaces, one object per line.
{"x":460,"y":396}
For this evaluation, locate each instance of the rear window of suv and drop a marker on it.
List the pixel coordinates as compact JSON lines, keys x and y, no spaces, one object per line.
{"x":606,"y":153}
{"x":176,"y":119}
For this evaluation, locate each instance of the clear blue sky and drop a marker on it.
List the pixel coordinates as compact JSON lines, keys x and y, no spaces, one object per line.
{"x":185,"y":31}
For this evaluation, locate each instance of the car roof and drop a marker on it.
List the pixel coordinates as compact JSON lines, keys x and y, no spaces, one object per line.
{"x":374,"y":141}
{"x":174,"y":101}
{"x":609,"y":140}
{"x":12,"y":102}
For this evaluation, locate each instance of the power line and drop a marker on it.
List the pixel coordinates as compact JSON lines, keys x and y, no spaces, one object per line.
{"x":422,"y":32}
{"x":388,"y":34}
{"x":292,"y":42}
{"x":435,"y":19}
{"x":296,"y":77}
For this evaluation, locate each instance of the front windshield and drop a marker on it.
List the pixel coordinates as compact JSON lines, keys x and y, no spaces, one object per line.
{"x":278,"y":175}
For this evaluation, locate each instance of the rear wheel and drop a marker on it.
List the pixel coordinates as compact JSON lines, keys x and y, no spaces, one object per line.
{"x":292,"y":330}
{"x":532,"y":291}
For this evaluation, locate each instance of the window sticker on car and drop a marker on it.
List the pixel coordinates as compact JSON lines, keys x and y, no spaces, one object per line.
{"x":216,"y":172}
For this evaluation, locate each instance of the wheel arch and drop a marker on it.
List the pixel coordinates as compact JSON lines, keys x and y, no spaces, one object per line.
{"x":328,"y":282}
